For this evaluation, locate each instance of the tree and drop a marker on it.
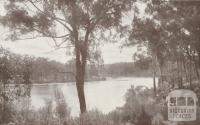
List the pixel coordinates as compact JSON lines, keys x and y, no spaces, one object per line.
{"x":181,"y":24}
{"x":169,"y":32}
{"x":146,"y":32}
{"x":13,"y":69}
{"x":81,"y":21}
{"x":5,"y":76}
{"x":5,"y":70}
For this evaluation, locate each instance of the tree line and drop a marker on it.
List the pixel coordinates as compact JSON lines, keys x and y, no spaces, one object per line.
{"x":29,"y":69}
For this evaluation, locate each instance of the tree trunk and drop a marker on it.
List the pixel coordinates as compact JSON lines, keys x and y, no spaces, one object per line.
{"x":81,"y":94}
{"x":80,"y":73}
{"x":196,"y":68}
{"x":81,"y":54}
{"x":190,"y":72}
{"x":154,"y":82}
{"x":4,"y":105}
{"x":154,"y":75}
{"x":181,"y":71}
{"x":185,"y":70}
{"x":199,"y":57}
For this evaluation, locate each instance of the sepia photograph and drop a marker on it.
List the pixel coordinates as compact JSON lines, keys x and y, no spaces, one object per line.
{"x":99,"y":62}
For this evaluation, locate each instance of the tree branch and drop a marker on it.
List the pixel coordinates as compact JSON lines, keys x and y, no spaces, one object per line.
{"x":45,"y":34}
{"x":59,"y":45}
{"x":59,"y":20}
{"x":97,"y":19}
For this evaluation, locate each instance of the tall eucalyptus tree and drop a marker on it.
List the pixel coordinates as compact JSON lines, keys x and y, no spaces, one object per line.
{"x":76,"y":23}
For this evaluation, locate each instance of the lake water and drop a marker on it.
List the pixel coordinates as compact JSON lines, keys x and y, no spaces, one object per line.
{"x":102,"y":95}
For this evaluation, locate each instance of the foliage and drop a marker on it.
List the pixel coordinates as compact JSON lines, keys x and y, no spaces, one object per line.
{"x":15,"y":81}
{"x":80,"y":21}
{"x":129,"y":69}
{"x":169,"y":32}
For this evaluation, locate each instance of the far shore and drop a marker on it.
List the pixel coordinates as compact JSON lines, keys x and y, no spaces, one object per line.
{"x":92,"y":81}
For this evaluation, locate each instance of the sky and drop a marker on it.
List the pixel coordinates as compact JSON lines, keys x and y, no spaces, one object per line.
{"x":111,"y":53}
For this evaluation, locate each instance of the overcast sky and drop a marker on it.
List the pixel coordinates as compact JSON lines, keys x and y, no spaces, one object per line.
{"x":42,"y":48}
{"x":45,"y":48}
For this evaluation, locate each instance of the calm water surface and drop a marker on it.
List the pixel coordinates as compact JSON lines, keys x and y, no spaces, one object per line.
{"x":102,"y":95}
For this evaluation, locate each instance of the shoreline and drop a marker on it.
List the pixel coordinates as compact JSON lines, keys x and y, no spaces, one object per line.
{"x":92,"y":81}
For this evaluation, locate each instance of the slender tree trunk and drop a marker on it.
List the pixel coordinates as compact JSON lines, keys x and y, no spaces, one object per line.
{"x":81,"y":54}
{"x":190,"y":73}
{"x":181,"y":71}
{"x":199,"y":58}
{"x":190,"y":67}
{"x":178,"y":63}
{"x":80,"y":62}
{"x":178,"y":79}
{"x":154,"y":82}
{"x":196,"y":68}
{"x":185,"y":70}
{"x":81,"y":95}
{"x":80,"y":74}
{"x":161,"y":76}
{"x":80,"y":83}
{"x":154,"y":75}
{"x":4,"y":104}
